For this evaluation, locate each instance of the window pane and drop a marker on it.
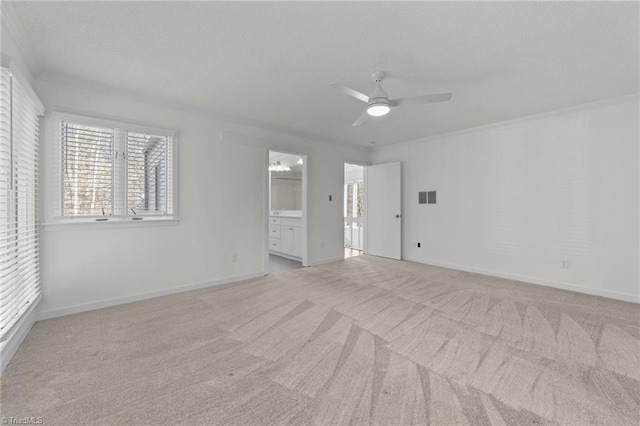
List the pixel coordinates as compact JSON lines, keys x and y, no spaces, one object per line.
{"x":87,"y":169}
{"x":146,"y":174}
{"x":360,"y":200}
{"x":349,"y":200}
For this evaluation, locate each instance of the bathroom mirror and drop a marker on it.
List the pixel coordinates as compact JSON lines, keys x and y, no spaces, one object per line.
{"x":285,"y":172}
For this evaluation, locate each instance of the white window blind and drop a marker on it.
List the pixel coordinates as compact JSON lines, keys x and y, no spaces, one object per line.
{"x":87,"y":162}
{"x":107,"y":171}
{"x":19,"y":251}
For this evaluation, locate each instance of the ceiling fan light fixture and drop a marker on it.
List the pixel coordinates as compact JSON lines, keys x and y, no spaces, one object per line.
{"x":378,"y":103}
{"x":378,"y":109}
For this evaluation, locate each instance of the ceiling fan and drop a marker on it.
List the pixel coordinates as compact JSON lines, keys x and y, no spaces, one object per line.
{"x":379,"y":104}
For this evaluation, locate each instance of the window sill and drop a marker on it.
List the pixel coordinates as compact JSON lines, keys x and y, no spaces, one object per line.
{"x":112,"y":223}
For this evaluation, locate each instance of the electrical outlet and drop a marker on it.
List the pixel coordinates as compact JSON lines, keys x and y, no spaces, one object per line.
{"x":564,"y":264}
{"x":234,"y":257}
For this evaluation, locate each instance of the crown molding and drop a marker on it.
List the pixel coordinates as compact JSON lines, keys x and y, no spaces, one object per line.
{"x":512,"y":122}
{"x":66,"y":80}
{"x":11,"y":23}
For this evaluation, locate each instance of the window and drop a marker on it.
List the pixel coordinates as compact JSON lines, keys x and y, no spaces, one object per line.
{"x":19,"y":252}
{"x":354,"y":199}
{"x":106,"y":171}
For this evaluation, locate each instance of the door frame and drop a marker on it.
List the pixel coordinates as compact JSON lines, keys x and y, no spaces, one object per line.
{"x":364,"y":200}
{"x":267,"y":206}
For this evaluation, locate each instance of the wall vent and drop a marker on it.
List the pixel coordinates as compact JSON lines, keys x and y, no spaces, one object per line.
{"x":422,"y":197}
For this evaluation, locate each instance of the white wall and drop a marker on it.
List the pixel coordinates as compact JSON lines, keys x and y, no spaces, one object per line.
{"x":11,"y":54}
{"x":515,"y":199}
{"x":222,"y":201}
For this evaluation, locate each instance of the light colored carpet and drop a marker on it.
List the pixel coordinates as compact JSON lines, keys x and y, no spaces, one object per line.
{"x":362,"y":341}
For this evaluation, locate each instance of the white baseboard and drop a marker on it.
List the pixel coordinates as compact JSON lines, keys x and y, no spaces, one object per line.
{"x":43,"y":315}
{"x":531,"y":280}
{"x":10,"y":346}
{"x":323,"y":261}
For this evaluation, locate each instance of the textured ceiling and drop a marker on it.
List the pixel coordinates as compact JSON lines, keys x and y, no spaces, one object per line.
{"x":272,"y":61}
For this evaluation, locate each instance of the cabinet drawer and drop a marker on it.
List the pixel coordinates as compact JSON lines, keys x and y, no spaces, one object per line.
{"x":274,"y":221}
{"x":274,"y":231}
{"x":274,"y":244}
{"x":292,"y":223}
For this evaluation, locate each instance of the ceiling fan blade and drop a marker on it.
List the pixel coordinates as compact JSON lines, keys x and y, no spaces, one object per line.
{"x":360,"y":119}
{"x":424,"y":99}
{"x":351,"y":92}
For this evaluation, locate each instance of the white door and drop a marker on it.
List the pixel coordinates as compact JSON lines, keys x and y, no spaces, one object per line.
{"x":383,"y":210}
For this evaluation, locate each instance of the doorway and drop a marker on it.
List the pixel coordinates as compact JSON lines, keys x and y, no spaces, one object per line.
{"x":354,"y":205}
{"x":286,"y":211}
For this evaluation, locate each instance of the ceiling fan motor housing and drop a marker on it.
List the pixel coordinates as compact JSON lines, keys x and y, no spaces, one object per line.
{"x":378,"y":96}
{"x":378,"y":101}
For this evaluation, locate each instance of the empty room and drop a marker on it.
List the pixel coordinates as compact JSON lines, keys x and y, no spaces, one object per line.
{"x":319,"y":213}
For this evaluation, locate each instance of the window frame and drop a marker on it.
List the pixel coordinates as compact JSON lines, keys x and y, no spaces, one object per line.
{"x":53,"y":184}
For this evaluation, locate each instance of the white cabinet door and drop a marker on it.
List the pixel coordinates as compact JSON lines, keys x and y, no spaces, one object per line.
{"x":291,"y":236}
{"x":287,"y":240}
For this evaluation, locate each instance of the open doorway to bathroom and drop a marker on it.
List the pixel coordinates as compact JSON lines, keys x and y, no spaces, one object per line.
{"x":353,"y":210}
{"x":287,"y":234}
